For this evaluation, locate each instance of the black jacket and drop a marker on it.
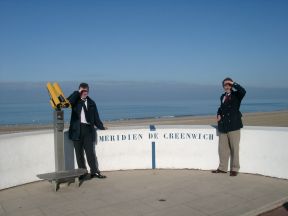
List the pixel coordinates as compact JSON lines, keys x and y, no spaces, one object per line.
{"x":230,"y":110}
{"x":75,"y":121}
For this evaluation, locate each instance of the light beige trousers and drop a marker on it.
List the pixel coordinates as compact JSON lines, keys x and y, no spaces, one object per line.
{"x":229,"y":148}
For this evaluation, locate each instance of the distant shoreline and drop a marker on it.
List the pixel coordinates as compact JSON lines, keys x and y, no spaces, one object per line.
{"x":137,"y":119}
{"x":273,"y":118}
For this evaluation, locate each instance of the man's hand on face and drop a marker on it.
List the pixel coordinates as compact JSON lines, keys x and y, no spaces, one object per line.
{"x":228,"y":86}
{"x":229,"y":82}
{"x":83,"y":92}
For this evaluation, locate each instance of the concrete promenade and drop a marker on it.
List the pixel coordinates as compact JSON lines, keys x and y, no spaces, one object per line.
{"x":150,"y":192}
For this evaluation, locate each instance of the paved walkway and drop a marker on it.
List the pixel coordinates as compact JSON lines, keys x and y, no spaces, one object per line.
{"x":150,"y":192}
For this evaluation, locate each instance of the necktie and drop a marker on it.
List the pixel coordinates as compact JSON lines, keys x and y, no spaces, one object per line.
{"x":227,"y":96}
{"x":85,"y":110}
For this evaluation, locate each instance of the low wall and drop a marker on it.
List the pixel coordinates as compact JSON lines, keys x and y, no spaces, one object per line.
{"x":263,"y":150}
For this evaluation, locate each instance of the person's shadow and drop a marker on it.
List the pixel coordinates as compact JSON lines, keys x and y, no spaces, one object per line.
{"x":84,"y":178}
{"x":285,"y":205}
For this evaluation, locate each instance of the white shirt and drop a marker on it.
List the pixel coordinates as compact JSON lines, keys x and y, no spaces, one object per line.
{"x":83,"y":117}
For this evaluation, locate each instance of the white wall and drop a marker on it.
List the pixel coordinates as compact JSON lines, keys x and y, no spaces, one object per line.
{"x":263,"y":150}
{"x":182,"y":152}
{"x":124,"y":154}
{"x":24,"y":155}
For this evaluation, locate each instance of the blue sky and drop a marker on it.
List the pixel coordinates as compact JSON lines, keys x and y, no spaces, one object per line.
{"x":154,"y":40}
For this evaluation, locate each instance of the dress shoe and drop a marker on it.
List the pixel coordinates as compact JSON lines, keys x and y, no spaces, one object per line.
{"x":233,"y":173}
{"x":98,"y":175}
{"x":218,"y":171}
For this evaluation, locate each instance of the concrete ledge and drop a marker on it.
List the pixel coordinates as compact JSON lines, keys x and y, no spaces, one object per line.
{"x":263,"y":151}
{"x":266,"y":208}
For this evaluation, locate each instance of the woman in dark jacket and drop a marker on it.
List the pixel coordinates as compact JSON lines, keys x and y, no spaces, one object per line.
{"x":229,"y":125}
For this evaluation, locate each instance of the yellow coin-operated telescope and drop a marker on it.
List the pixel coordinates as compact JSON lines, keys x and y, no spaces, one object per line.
{"x":58,"y":101}
{"x":57,"y":98}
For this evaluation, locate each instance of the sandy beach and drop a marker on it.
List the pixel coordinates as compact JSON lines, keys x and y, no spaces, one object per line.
{"x":273,"y":119}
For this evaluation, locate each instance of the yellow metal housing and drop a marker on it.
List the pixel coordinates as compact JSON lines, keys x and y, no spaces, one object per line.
{"x":57,"y":98}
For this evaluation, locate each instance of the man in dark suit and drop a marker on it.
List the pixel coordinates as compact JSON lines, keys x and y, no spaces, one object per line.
{"x":229,"y":125}
{"x":84,"y":119}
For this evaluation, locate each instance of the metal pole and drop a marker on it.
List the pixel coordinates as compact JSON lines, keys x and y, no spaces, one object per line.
{"x":59,"y":140}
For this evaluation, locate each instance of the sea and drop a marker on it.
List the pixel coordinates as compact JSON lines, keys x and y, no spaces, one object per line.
{"x":42,"y":113}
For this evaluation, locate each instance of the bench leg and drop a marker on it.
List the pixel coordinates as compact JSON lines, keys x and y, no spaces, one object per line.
{"x":77,"y":182}
{"x":55,"y":185}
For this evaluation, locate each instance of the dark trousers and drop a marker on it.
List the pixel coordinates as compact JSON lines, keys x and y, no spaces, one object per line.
{"x":86,"y":144}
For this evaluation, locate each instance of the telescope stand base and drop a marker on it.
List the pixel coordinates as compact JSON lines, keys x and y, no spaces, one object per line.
{"x":56,"y":178}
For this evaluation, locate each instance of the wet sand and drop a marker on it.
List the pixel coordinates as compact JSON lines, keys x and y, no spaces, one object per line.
{"x":273,"y":119}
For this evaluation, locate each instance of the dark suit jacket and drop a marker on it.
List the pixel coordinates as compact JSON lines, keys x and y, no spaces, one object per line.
{"x":231,"y":117}
{"x":75,"y":121}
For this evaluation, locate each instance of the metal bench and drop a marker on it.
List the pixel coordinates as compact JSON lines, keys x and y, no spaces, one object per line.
{"x":56,"y":178}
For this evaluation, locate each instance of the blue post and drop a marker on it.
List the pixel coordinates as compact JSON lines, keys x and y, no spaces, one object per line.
{"x":153,"y":156}
{"x":153,"y":128}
